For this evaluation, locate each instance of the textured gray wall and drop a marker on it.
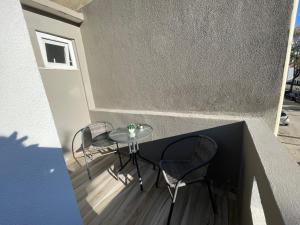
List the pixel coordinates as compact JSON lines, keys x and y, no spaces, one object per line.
{"x":205,"y":56}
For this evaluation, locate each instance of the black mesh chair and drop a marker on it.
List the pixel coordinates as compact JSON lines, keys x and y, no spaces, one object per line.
{"x":95,"y":135}
{"x":185,"y":161}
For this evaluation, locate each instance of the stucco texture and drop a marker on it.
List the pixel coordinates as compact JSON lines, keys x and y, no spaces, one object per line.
{"x":24,"y":106}
{"x":35,"y":187}
{"x":204,"y":56}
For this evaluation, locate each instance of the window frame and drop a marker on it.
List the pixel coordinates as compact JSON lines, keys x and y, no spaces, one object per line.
{"x":44,"y":38}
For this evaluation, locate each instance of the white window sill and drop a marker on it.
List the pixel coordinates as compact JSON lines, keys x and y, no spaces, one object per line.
{"x":49,"y":68}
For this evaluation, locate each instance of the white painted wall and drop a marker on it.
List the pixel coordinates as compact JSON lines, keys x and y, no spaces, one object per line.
{"x":35,"y":187}
{"x":24,"y":106}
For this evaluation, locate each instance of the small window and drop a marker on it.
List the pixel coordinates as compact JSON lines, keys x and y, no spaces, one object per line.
{"x":57,"y":52}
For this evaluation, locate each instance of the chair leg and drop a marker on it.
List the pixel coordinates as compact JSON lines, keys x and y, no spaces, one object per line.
{"x":170,"y":213}
{"x":125,"y":164}
{"x":157,"y":179}
{"x":73,"y":153}
{"x":213,"y":203}
{"x":138,"y":171}
{"x":86,"y":164}
{"x":172,"y":205}
{"x":119,"y":155}
{"x":139,"y":155}
{"x":73,"y":140}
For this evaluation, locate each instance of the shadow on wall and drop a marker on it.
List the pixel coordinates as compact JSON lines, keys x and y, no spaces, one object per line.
{"x":225,"y":168}
{"x":35,"y":185}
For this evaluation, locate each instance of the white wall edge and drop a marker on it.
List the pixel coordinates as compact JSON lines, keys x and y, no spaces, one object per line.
{"x":286,"y":65}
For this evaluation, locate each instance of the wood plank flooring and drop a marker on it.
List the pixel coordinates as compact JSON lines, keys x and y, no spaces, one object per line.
{"x":107,"y":200}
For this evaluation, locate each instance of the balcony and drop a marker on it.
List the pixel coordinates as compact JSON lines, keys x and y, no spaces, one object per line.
{"x":246,"y":189}
{"x":200,"y":67}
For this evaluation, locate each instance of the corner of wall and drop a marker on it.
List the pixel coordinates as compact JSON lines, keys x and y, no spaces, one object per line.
{"x":286,"y":65}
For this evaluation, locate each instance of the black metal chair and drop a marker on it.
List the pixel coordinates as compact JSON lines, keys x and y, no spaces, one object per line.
{"x":95,"y":135}
{"x":185,"y":161}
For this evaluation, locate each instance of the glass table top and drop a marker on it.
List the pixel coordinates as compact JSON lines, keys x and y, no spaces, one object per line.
{"x":122,"y":135}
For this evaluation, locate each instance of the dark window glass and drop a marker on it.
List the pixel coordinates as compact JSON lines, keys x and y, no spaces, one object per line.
{"x":55,"y":53}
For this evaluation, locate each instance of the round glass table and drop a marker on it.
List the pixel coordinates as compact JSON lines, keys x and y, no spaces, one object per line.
{"x":123,"y":136}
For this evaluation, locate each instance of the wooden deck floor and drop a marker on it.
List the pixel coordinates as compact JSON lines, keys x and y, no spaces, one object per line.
{"x":109,"y":201}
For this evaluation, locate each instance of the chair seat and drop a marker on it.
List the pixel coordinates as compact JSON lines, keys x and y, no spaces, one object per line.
{"x":173,"y":170}
{"x":102,"y":140}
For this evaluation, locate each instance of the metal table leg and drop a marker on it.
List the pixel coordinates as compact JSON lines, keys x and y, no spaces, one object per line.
{"x":86,"y":163}
{"x":119,"y":155}
{"x":133,"y":153}
{"x":125,"y":164}
{"x":138,"y":171}
{"x":133,"y":149}
{"x":147,"y":160}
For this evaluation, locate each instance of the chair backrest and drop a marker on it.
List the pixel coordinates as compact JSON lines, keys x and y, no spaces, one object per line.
{"x":93,"y":130}
{"x":204,"y":149}
{"x":86,"y":137}
{"x":198,"y":148}
{"x":98,"y":128}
